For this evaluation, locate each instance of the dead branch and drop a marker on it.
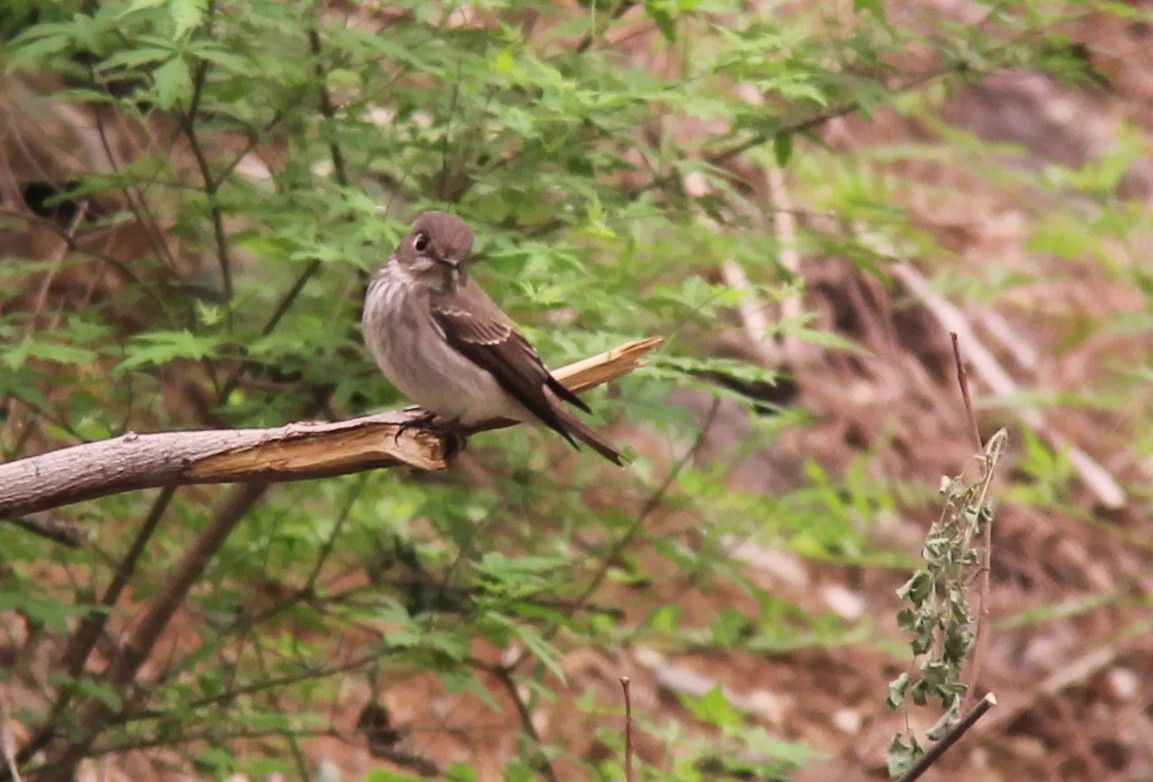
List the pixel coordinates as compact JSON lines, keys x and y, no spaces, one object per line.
{"x":293,"y":452}
{"x":628,"y":730}
{"x":989,"y":463}
{"x":937,"y":750}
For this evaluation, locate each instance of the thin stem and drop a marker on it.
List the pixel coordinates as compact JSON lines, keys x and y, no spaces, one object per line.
{"x":628,"y":730}
{"x":330,"y":542}
{"x":211,"y":187}
{"x":327,"y":109}
{"x":90,"y":629}
{"x":54,"y":530}
{"x":992,"y":455}
{"x":650,"y":505}
{"x":132,"y":197}
{"x":504,"y":676}
{"x":958,"y":730}
{"x":626,"y":539}
{"x":963,"y":382}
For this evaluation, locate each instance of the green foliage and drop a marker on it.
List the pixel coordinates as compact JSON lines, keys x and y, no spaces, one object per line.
{"x":278,"y":150}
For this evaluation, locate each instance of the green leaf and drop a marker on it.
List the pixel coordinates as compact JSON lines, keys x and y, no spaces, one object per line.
{"x":665,"y":619}
{"x":457,"y":680}
{"x":134,"y":58}
{"x":824,"y":339}
{"x":38,"y":50}
{"x":714,"y":708}
{"x":460,"y":772}
{"x":40,"y":609}
{"x":901,"y":756}
{"x":385,"y":775}
{"x":729,"y":628}
{"x":95,"y":690}
{"x":58,"y":352}
{"x":186,"y":15}
{"x":941,"y":727}
{"x":136,"y":6}
{"x":535,"y":643}
{"x":917,"y":588}
{"x":783,"y":148}
{"x":897,"y":689}
{"x":160,"y":347}
{"x":659,"y":11}
{"x":226,"y":61}
{"x":173,"y":83}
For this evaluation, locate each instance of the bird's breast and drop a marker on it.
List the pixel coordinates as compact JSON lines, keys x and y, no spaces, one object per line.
{"x":410,"y":349}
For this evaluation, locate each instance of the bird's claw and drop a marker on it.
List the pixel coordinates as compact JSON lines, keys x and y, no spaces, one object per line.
{"x":449,"y":431}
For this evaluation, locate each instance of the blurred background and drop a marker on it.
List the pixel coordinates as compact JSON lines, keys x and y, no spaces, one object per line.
{"x":803,"y":199}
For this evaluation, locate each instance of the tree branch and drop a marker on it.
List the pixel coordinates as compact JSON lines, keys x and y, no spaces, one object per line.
{"x":293,"y":452}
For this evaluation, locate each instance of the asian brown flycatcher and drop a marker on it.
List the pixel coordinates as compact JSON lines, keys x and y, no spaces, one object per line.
{"x":444,"y":343}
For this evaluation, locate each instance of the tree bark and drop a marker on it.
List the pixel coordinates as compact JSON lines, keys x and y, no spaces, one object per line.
{"x":296,"y":451}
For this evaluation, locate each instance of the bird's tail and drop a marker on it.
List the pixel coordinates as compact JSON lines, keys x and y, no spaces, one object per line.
{"x":583,"y":432}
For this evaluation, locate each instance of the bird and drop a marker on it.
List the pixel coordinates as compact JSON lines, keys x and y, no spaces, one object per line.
{"x":450,"y":349}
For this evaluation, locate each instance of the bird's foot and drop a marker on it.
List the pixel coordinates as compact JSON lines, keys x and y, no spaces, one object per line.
{"x":446,"y":429}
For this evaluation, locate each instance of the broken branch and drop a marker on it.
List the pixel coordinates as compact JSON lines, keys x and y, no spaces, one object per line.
{"x":296,"y":451}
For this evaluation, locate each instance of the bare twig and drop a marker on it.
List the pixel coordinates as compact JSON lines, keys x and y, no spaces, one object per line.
{"x":211,"y":187}
{"x":327,"y":108}
{"x":963,"y":382}
{"x":86,"y":635}
{"x":54,"y":530}
{"x":67,"y":240}
{"x":65,"y":235}
{"x":628,"y":730}
{"x":981,"y":641}
{"x":949,"y":739}
{"x":651,"y":504}
{"x":1108,"y":492}
{"x":137,"y":202}
{"x":627,"y":537}
{"x":752,"y":309}
{"x":294,"y":452}
{"x":58,"y":255}
{"x":149,"y":627}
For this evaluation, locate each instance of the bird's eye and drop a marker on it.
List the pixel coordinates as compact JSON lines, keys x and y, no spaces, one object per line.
{"x":420,"y":243}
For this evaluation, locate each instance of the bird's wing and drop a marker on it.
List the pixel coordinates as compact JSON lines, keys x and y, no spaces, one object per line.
{"x":476,"y":328}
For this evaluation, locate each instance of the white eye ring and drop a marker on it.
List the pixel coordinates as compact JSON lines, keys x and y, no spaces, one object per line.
{"x":420,"y":242}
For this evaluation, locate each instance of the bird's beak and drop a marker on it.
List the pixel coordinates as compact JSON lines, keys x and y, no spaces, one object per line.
{"x":447,"y":260}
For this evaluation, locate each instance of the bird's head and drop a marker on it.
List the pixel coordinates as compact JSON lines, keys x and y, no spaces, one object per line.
{"x":436,"y":250}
